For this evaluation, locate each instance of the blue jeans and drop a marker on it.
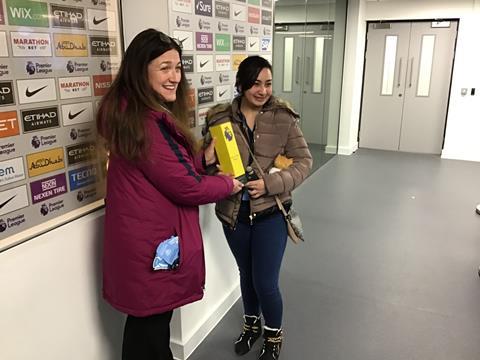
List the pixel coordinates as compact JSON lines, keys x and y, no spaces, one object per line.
{"x":258,"y":250}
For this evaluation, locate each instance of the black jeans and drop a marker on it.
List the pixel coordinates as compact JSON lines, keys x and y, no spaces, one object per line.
{"x":147,"y":338}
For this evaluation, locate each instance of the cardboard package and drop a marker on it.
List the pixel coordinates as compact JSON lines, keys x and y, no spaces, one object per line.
{"x":227,"y":150}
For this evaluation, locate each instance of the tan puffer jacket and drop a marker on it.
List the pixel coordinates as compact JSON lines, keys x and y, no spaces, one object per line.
{"x":276,"y":132}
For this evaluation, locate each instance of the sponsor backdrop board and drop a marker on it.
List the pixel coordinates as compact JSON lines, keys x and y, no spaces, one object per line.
{"x":57,"y":59}
{"x":216,"y":35}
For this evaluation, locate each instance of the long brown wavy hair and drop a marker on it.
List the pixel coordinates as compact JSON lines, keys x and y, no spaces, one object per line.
{"x":122,"y":112}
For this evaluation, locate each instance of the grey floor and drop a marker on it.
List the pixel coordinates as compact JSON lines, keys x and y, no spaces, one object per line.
{"x":389,"y":271}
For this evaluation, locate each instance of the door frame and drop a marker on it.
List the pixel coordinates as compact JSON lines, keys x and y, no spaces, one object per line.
{"x":365,"y":65}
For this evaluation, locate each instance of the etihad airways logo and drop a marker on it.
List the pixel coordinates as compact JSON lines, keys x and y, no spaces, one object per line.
{"x":266,"y":17}
{"x":6,"y":93}
{"x":102,"y":20}
{"x":40,"y":119}
{"x":31,"y":44}
{"x":70,"y":45}
{"x":77,"y":113}
{"x":74,"y":87}
{"x":239,"y":43}
{"x":103,"y":46}
{"x":222,"y":9}
{"x":67,"y":17}
{"x":45,"y":161}
{"x":187,"y":63}
{"x":81,"y":152}
{"x":36,"y":90}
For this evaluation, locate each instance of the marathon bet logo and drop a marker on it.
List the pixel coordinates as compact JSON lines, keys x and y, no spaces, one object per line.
{"x":74,"y":87}
{"x":31,"y":44}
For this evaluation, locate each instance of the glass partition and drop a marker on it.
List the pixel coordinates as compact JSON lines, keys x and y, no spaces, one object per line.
{"x":308,"y":48}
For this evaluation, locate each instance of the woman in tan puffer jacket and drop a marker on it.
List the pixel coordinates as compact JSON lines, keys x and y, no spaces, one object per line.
{"x":254,"y":227}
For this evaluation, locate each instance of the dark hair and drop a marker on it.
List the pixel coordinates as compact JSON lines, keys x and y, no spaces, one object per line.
{"x":248,"y":71}
{"x":122,"y":111}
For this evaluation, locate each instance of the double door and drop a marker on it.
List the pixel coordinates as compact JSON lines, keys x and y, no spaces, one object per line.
{"x":303,"y":57}
{"x":406,"y":85}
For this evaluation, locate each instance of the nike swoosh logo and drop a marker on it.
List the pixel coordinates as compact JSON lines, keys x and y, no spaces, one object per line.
{"x":31,"y":93}
{"x":6,"y":202}
{"x":236,"y":13}
{"x":253,"y":44}
{"x":220,"y":94}
{"x":96,"y":22}
{"x":181,"y":41}
{"x":204,"y":63}
{"x":73,"y":116}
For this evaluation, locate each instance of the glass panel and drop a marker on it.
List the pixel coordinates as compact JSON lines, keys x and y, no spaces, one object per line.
{"x":318,"y":65}
{"x":389,"y":64}
{"x":426,"y":62}
{"x":288,"y":64}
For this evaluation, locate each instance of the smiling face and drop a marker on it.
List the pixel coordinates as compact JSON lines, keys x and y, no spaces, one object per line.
{"x":261,"y":90}
{"x":164,"y":74}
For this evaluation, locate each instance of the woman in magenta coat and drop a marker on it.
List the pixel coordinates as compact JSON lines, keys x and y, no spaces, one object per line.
{"x":156,"y":180}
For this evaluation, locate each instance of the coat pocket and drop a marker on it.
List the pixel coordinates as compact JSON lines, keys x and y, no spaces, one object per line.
{"x":167,"y":254}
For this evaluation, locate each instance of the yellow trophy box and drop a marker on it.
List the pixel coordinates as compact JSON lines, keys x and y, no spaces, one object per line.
{"x":227,"y":150}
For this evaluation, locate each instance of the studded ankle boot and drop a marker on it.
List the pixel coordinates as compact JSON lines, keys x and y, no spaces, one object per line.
{"x":272,"y":344}
{"x":252,"y":329}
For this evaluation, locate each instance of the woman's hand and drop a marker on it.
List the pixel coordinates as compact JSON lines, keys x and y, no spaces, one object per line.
{"x":237,"y":186}
{"x":256,"y":188}
{"x":209,"y":153}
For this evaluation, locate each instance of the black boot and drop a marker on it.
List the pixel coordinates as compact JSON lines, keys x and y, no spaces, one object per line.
{"x":252,"y":329}
{"x":272,"y":344}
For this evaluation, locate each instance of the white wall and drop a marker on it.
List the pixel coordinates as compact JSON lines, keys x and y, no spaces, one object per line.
{"x":462,"y":140}
{"x":51,"y":306}
{"x":352,"y":77}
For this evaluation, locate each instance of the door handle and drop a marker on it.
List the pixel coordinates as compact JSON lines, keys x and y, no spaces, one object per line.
{"x":307,"y":75}
{"x":411,"y":73}
{"x":399,"y":72}
{"x":297,"y":69}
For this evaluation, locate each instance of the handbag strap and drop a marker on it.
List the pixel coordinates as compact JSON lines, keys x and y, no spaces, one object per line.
{"x":262,"y":174}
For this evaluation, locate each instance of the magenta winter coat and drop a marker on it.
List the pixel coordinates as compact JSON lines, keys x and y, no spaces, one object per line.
{"x":147,"y":202}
